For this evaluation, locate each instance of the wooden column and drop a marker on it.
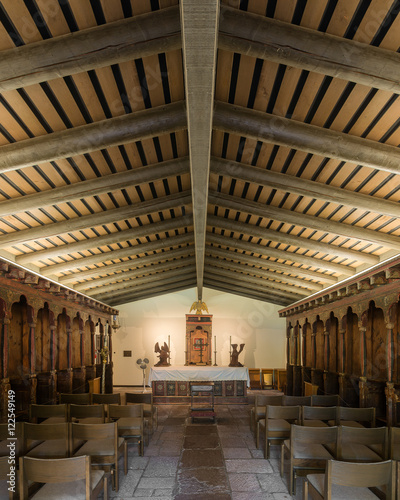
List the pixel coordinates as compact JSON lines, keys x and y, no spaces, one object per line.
{"x":362,"y":384}
{"x":5,"y":382}
{"x":342,"y":364}
{"x":391,"y":397}
{"x":297,"y":375}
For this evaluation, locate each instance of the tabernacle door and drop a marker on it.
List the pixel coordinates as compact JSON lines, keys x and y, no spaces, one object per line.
{"x":198,"y":339}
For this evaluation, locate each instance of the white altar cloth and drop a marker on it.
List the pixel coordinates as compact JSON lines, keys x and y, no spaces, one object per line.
{"x":203,"y":373}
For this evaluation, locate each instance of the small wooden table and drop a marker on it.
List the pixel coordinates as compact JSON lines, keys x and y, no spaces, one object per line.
{"x":202,"y":400}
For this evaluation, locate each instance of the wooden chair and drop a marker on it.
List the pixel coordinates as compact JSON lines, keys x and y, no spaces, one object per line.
{"x":394,"y":443}
{"x":362,"y":444}
{"x":318,"y":416}
{"x":130,"y":422}
{"x":296,"y":401}
{"x":76,"y":399}
{"x":49,"y":414}
{"x":255,"y":378}
{"x":356,"y":417}
{"x":101,"y":443}
{"x":307,"y":450}
{"x":281,"y":380}
{"x":345,"y":480}
{"x":106,"y":399}
{"x":258,"y":411}
{"x":45,"y":440}
{"x":267,"y":378}
{"x":5,"y":493}
{"x":310,"y":389}
{"x":276,"y":425}
{"x":86,"y":414}
{"x":325,"y":400}
{"x":62,"y":478}
{"x":94,"y":385}
{"x":150,"y":410}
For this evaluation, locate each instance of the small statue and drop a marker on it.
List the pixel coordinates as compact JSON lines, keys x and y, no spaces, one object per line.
{"x":198,"y":307}
{"x":164,"y":354}
{"x":235,"y":355}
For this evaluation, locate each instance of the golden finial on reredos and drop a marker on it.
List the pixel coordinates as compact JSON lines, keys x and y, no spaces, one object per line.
{"x":199,"y":307}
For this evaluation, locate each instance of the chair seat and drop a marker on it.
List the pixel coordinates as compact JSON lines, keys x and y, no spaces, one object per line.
{"x":310,"y":451}
{"x":315,"y":423}
{"x":54,"y":420}
{"x":53,"y":448}
{"x":355,"y":452}
{"x":68,"y":491}
{"x":98,"y":447}
{"x":88,"y":420}
{"x":347,"y":423}
{"x":260,"y":413}
{"x":340,"y":492}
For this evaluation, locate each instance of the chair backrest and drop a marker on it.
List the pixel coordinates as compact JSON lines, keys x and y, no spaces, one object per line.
{"x":325,"y":400}
{"x":94,"y":385}
{"x":120,"y":411}
{"x":301,"y":436}
{"x":87,"y":432}
{"x":366,"y":475}
{"x":323,"y":413}
{"x":310,"y":389}
{"x":77,"y":399}
{"x":109,"y":399}
{"x":86,"y":411}
{"x":394,"y":444}
{"x":38,"y":412}
{"x":357,"y":414}
{"x":135,"y":398}
{"x":296,"y":400}
{"x":281,"y":379}
{"x":63,"y":470}
{"x":291,"y":413}
{"x":44,"y":432}
{"x":366,"y":436}
{"x":262,"y":400}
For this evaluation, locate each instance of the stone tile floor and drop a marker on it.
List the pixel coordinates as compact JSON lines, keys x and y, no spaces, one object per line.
{"x":203,"y":460}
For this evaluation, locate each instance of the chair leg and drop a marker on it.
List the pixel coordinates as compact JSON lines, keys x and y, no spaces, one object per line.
{"x":105,"y":488}
{"x":257,"y":425}
{"x":125,"y":457}
{"x":305,"y":490}
{"x":116,"y":476}
{"x":282,"y":459}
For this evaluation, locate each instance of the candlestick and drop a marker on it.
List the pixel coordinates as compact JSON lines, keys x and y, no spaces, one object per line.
{"x":215,"y":351}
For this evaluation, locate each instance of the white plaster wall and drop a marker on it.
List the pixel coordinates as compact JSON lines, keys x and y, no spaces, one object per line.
{"x":241,"y":320}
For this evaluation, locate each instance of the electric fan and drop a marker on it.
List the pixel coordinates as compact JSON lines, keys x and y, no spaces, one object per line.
{"x":143,"y":365}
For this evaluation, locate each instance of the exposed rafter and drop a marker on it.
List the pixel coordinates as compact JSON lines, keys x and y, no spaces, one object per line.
{"x":199,"y":41}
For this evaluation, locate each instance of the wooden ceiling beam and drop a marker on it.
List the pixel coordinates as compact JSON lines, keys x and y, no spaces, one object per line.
{"x":221,"y":286}
{"x":107,"y":239}
{"x":98,"y":219}
{"x":131,"y":296}
{"x":115,"y":131}
{"x":235,"y":244}
{"x":296,"y":241}
{"x":169,"y":276}
{"x":246,"y":265}
{"x":94,"y":187}
{"x":153,"y":246}
{"x":268,"y":251}
{"x":302,"y":220}
{"x":303,"y":187}
{"x":304,"y":48}
{"x":199,"y":21}
{"x":176,"y":259}
{"x":97,"y":47}
{"x":324,"y":142}
{"x":252,"y":282}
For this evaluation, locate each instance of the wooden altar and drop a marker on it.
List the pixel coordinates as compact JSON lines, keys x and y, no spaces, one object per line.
{"x":198,"y":339}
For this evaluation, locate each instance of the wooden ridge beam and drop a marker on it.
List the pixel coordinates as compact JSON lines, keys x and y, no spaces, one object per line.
{"x":282,"y":254}
{"x":199,"y":22}
{"x":115,"y":131}
{"x":132,"y":264}
{"x":296,"y":241}
{"x":303,"y":187}
{"x":92,"y":48}
{"x":246,"y":266}
{"x":308,"y":49}
{"x":100,"y":241}
{"x":273,"y":129}
{"x":254,"y":283}
{"x":94,"y":187}
{"x":221,"y":286}
{"x":86,"y":221}
{"x":169,"y":276}
{"x":303,"y":220}
{"x":172,"y":263}
{"x":235,"y":244}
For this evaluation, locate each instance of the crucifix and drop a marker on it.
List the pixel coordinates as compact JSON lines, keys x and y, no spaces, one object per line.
{"x":202,"y":347}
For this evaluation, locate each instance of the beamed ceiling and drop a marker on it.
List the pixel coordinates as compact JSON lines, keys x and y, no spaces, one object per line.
{"x":151,"y":146}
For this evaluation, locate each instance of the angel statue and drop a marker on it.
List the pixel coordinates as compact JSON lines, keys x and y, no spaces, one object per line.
{"x":199,"y":306}
{"x":235,"y":355}
{"x":164,"y":354}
